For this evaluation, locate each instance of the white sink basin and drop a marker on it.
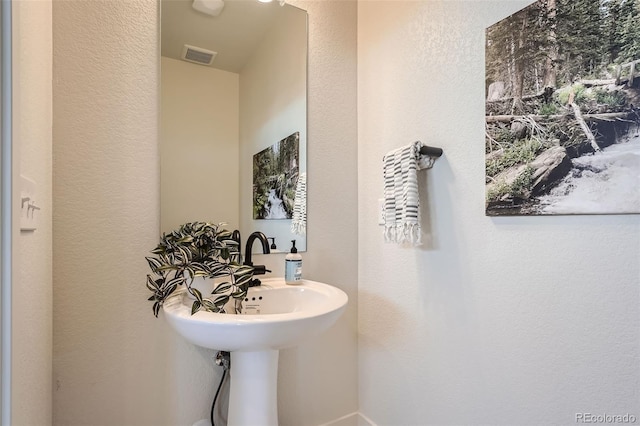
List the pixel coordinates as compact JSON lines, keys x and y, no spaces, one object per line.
{"x":275,"y":316}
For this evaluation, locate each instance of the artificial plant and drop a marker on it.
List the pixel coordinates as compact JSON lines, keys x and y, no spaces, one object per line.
{"x":198,"y":249}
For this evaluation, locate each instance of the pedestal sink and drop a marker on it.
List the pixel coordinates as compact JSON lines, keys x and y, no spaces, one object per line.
{"x":275,"y":316}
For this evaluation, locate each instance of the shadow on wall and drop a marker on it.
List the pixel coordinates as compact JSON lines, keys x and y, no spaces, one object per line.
{"x":390,"y":324}
{"x":195,"y":375}
{"x":430,"y":183}
{"x":439,"y":271}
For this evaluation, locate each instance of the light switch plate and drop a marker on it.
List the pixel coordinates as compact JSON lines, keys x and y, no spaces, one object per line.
{"x":29,"y":209}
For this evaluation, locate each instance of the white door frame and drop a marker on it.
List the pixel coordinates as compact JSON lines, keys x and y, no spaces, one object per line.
{"x":6,"y":194}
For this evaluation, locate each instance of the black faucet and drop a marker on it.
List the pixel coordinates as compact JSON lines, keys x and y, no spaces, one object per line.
{"x":235,"y":236}
{"x":257,"y":269}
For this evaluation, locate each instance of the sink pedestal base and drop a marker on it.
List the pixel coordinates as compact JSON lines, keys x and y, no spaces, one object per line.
{"x":253,"y":395}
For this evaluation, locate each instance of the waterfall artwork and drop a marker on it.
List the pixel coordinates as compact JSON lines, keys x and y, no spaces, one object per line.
{"x":275,"y":175}
{"x":562,"y":109}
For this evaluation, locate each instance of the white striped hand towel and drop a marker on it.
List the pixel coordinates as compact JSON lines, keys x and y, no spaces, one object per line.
{"x":401,"y":203}
{"x":299,"y":217}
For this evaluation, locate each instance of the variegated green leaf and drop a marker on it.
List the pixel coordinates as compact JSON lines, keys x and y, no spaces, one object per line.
{"x":151,"y":283}
{"x":196,"y":293}
{"x":218,"y":269}
{"x":222,"y":287}
{"x":239,"y":294}
{"x":208,"y":305}
{"x":158,"y":250}
{"x":224,"y":253}
{"x":175,"y":281}
{"x":221,"y":300}
{"x":170,"y":289}
{"x":188,"y":274}
{"x":195,"y":307}
{"x":154,"y":263}
{"x":243,"y":280}
{"x":185,"y":239}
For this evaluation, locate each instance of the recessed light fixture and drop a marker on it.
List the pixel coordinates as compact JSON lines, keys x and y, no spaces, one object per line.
{"x":210,"y":7}
{"x":282,"y":2}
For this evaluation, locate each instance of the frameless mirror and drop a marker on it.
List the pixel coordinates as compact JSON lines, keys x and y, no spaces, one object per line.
{"x":233,"y":133}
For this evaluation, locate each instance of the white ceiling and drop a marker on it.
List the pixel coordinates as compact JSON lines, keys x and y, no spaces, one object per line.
{"x":233,"y":34}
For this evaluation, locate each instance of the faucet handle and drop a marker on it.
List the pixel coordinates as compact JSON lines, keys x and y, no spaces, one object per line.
{"x":260,"y":270}
{"x":254,"y":283}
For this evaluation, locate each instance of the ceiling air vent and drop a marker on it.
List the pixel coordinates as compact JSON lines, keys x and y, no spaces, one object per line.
{"x":198,"y":55}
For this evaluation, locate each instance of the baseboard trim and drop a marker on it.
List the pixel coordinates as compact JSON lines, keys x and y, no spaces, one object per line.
{"x":353,"y":419}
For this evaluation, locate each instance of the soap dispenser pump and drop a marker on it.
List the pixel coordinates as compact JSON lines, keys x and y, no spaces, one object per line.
{"x":293,"y":266}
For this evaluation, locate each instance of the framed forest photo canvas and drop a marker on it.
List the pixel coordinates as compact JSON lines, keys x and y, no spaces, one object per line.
{"x":563,"y":109}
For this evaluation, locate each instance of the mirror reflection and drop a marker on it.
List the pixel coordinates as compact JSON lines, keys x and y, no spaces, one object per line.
{"x":233,"y":133}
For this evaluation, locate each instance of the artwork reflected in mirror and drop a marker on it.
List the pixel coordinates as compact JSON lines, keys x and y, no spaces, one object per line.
{"x":275,"y":177}
{"x":562,"y":116}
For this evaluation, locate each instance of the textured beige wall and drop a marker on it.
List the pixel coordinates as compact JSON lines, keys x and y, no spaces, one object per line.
{"x":114,"y":364}
{"x":32,"y":287}
{"x":502,"y":321}
{"x":200,"y":145}
{"x":110,"y":353}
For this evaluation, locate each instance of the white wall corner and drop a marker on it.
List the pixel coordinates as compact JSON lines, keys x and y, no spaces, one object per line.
{"x":353,"y":419}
